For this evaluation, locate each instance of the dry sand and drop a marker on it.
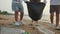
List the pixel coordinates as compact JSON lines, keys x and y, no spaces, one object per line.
{"x":8,"y":21}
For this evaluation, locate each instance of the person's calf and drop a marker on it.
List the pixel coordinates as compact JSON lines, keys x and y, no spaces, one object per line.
{"x":16,"y":15}
{"x":57,"y":19}
{"x":21,"y":15}
{"x":51,"y":17}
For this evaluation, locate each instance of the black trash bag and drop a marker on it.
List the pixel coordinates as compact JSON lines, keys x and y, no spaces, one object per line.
{"x":35,"y":10}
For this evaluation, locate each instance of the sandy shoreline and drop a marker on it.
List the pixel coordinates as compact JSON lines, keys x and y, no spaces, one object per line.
{"x":6,"y":21}
{"x":10,"y":20}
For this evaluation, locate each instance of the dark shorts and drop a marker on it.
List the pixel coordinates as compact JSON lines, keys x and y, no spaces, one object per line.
{"x":54,"y":8}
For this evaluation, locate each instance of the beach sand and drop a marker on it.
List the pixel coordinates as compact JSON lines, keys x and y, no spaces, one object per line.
{"x":7,"y":21}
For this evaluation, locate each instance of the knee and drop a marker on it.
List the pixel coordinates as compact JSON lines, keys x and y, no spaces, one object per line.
{"x":16,"y":12}
{"x":22,"y":13}
{"x":51,"y":14}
